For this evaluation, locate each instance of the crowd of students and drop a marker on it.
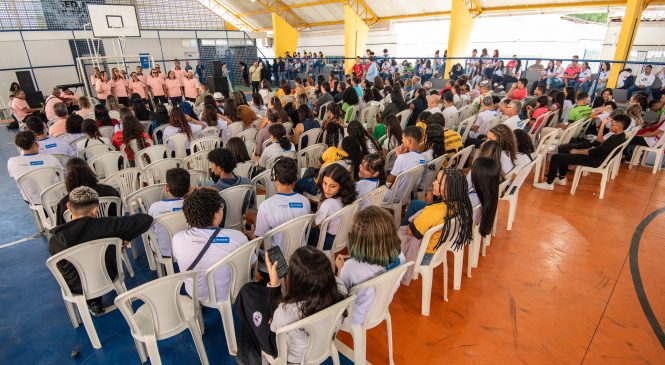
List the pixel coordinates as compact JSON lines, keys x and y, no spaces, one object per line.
{"x":352,"y":165}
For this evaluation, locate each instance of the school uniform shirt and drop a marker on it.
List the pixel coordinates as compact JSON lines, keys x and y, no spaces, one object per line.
{"x":449,"y":113}
{"x":506,"y":163}
{"x":391,"y":143}
{"x":405,"y":162}
{"x":430,"y":216}
{"x":156,"y":85}
{"x":482,"y":121}
{"x":652,"y":141}
{"x":171,"y":130}
{"x":274,"y":150}
{"x":278,"y":209}
{"x":103,"y":89}
{"x":54,"y":146}
{"x":159,"y":208}
{"x":17,"y":107}
{"x":188,"y":244}
{"x":191,"y":86}
{"x":69,"y":138}
{"x":583,"y":75}
{"x":19,"y":165}
{"x":356,"y":272}
{"x":173,"y":87}
{"x":364,"y":186}
{"x":329,"y":207}
{"x":120,"y":88}
{"x":514,"y":122}
{"x":333,"y":154}
{"x":225,"y":130}
{"x":138,"y":87}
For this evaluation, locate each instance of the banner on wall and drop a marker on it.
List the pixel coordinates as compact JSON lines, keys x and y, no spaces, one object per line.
{"x":145,"y":60}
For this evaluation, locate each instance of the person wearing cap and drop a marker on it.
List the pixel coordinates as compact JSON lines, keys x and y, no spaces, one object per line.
{"x":219,"y":99}
{"x":85,"y":226}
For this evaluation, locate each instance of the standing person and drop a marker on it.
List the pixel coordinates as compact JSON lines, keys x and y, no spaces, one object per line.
{"x":157,"y":87}
{"x":173,"y":90}
{"x":85,"y":226}
{"x":103,"y":88}
{"x":179,"y":72}
{"x":255,"y":75}
{"x":191,"y":86}
{"x":138,"y":86}
{"x":372,"y":70}
{"x":120,"y":85}
{"x":201,"y":72}
{"x":358,"y":68}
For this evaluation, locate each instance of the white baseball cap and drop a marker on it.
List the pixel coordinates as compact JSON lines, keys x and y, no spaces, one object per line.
{"x":218,"y":96}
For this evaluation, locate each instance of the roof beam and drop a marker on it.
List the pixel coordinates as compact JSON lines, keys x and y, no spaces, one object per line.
{"x":217,"y":7}
{"x":285,"y":12}
{"x":293,"y":6}
{"x":363,"y":11}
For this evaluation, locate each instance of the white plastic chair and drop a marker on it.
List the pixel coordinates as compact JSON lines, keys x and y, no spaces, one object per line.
{"x":271,"y":161}
{"x":239,"y":262}
{"x":464,"y":127}
{"x":50,"y":198}
{"x":384,"y":286}
{"x":374,"y":197}
{"x":173,"y":223}
{"x":155,"y":173}
{"x":465,"y":112}
{"x":208,"y":132}
{"x":158,"y":133}
{"x":140,"y":202}
{"x":125,"y":181}
{"x":542,"y":122}
{"x":512,"y":193}
{"x":163,"y":314}
{"x":439,"y":258}
{"x":321,"y":328}
{"x":288,"y":126}
{"x":235,"y":198}
{"x":391,"y":156}
{"x":546,"y":146}
{"x":400,"y":191}
{"x":107,"y":132}
{"x":248,"y":134}
{"x":198,"y":177}
{"x":88,"y":259}
{"x":235,"y":128}
{"x":250,"y":145}
{"x":152,"y":154}
{"x":429,"y":173}
{"x":205,"y":144}
{"x":146,"y":125}
{"x":94,"y":150}
{"x":641,"y":153}
{"x":459,"y":159}
{"x":38,"y":181}
{"x":368,"y":117}
{"x":310,"y":155}
{"x":312,"y":136}
{"x":108,"y":163}
{"x":197,"y":161}
{"x":345,"y":217}
{"x":262,"y":181}
{"x":322,"y":109}
{"x":604,"y":170}
{"x":403,"y":117}
{"x":293,"y":234}
{"x":179,"y":142}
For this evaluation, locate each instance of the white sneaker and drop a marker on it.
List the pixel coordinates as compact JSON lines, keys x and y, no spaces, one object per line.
{"x":544,"y":186}
{"x":561,"y":181}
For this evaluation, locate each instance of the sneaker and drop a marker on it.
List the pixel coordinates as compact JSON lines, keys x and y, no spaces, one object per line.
{"x":561,"y":181}
{"x":544,"y":186}
{"x":96,"y":309}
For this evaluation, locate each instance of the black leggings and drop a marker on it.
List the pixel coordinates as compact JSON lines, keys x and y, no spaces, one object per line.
{"x":255,"y":86}
{"x":159,"y":100}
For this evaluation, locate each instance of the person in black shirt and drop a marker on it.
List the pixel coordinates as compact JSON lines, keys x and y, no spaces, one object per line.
{"x":585,"y":157}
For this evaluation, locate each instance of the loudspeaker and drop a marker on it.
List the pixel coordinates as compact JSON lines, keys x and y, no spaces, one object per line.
{"x":217,"y":69}
{"x":25,"y":81}
{"x":218,"y":84}
{"x":34,"y":99}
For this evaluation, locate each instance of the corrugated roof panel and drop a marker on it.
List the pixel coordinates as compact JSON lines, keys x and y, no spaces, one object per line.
{"x":384,"y":8}
{"x":321,"y":13}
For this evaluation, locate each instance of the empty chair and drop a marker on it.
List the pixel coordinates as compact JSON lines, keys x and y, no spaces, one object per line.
{"x":345,"y":217}
{"x":310,"y":155}
{"x":163,"y":314}
{"x":641,"y":153}
{"x":250,"y":145}
{"x":321,"y":328}
{"x":88,"y":259}
{"x":108,"y":163}
{"x":459,"y":159}
{"x":198,"y":177}
{"x":146,"y":124}
{"x":33,"y":183}
{"x":179,"y":143}
{"x":205,"y":144}
{"x":547,"y":145}
{"x":312,"y":136}
{"x":603,"y":169}
{"x":403,"y":117}
{"x":236,"y":199}
{"x":368,"y":117}
{"x":152,"y":154}
{"x":126,"y":181}
{"x":322,"y":109}
{"x":400,"y":191}
{"x":512,"y":193}
{"x":239,"y":263}
{"x":374,"y":197}
{"x":155,"y":173}
{"x":541,"y":122}
{"x":464,"y":127}
{"x":384,"y":286}
{"x":172,"y":223}
{"x":158,"y":133}
{"x":197,"y":161}
{"x":94,"y":150}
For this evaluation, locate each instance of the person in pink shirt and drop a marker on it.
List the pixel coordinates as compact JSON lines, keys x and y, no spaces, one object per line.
{"x":158,"y":67}
{"x":173,"y":90}
{"x":20,"y":107}
{"x":179,"y":72}
{"x":120,"y":86}
{"x":96,"y":74}
{"x":60,"y":126}
{"x":140,"y":75}
{"x":103,"y":87}
{"x":518,"y":91}
{"x":50,"y":102}
{"x":572,"y":72}
{"x":156,"y":87}
{"x":191,"y":87}
{"x":137,"y":86}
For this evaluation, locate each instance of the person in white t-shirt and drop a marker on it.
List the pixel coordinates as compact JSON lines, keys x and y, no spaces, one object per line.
{"x":177,"y":186}
{"x":408,"y":156}
{"x":204,"y":244}
{"x":449,"y":108}
{"x":29,"y":160}
{"x":584,"y":78}
{"x":480,"y":125}
{"x":433,"y":103}
{"x":374,"y":248}
{"x":47,"y":144}
{"x":283,"y":206}
{"x":371,"y":174}
{"x":512,"y":110}
{"x":280,"y":145}
{"x":337,"y":191}
{"x":643,"y":82}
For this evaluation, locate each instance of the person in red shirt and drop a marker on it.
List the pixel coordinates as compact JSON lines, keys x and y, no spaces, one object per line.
{"x":572,"y":71}
{"x":358,"y":68}
{"x":518,"y":91}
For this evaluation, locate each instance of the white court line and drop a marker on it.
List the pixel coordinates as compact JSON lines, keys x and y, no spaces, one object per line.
{"x":29,"y":238}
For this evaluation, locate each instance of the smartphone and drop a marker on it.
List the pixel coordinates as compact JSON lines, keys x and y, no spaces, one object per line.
{"x":275,"y":255}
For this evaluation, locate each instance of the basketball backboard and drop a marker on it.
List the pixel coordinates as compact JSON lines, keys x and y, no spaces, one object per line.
{"x":113,"y":21}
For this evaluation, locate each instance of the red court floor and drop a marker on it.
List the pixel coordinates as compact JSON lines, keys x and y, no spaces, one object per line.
{"x":557,"y":289}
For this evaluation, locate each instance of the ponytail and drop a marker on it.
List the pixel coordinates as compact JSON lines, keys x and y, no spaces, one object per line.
{"x":278,"y":132}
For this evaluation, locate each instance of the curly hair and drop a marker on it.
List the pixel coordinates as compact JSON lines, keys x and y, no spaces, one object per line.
{"x":373,"y":238}
{"x":506,"y":139}
{"x":355,"y":129}
{"x":177,"y":119}
{"x":132,"y":129}
{"x":491,"y":149}
{"x":223,"y":158}
{"x":434,"y":140}
{"x":524,"y":143}
{"x":334,"y":133}
{"x":73,"y":124}
{"x":201,"y":206}
{"x":347,"y":189}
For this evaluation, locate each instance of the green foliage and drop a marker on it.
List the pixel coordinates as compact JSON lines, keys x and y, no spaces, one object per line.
{"x":591,"y":17}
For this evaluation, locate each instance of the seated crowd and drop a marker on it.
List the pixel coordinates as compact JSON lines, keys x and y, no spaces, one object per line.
{"x":412,"y":126}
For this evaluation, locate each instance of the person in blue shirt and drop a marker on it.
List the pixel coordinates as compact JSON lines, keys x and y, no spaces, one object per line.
{"x":201,"y":72}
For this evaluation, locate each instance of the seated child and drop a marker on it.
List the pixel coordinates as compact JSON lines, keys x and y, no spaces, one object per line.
{"x":408,"y":156}
{"x":177,"y":186}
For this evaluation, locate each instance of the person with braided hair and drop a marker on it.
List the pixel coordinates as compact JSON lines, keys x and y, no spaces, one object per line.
{"x":451,"y":188}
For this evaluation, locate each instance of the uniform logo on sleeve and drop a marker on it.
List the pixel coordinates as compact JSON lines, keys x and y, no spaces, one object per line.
{"x":221,"y":240}
{"x":176,"y":209}
{"x":36,"y":163}
{"x":51,"y":145}
{"x":295,"y":205}
{"x":257,"y":317}
{"x":422,"y":162}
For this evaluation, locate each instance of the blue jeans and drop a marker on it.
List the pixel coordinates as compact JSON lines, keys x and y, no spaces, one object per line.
{"x":414,"y":207}
{"x":306,"y":185}
{"x":554,"y":83}
{"x":313,"y":239}
{"x":634,"y":88}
